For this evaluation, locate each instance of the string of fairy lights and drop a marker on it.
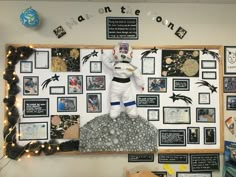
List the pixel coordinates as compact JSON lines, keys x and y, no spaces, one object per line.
{"x":13,"y":149}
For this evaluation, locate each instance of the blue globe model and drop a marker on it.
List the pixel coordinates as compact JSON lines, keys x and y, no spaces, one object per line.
{"x":29,"y":18}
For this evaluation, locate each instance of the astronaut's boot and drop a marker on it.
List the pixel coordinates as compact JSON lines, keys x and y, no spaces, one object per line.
{"x":115,"y":111}
{"x":131,"y":111}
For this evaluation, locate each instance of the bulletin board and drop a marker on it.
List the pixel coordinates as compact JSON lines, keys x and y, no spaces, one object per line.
{"x":50,"y":108}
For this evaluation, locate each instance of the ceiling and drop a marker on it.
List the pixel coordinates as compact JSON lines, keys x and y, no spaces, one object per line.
{"x":147,"y":1}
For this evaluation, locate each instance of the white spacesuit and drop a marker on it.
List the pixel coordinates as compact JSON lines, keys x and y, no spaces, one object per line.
{"x":122,"y":70}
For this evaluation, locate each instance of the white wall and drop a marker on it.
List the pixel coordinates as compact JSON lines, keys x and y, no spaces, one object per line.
{"x":206,"y":25}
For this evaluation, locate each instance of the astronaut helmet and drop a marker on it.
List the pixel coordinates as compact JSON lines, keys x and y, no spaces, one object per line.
{"x":123,"y":52}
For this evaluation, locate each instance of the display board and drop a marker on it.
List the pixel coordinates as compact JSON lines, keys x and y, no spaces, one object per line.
{"x":64,"y":100}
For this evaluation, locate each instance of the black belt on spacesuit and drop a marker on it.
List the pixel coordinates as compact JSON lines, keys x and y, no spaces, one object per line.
{"x":121,"y":80}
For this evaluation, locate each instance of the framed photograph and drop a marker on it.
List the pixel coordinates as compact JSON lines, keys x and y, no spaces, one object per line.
{"x":41,"y":59}
{"x":95,"y":66}
{"x":33,"y":131}
{"x":208,"y":64}
{"x":75,"y":84}
{"x":205,"y":162}
{"x":147,"y":100}
{"x":209,"y":75}
{"x":194,"y":174}
{"x":193,"y":135}
{"x":94,"y":102}
{"x":229,"y":84}
{"x":35,"y":107}
{"x":140,"y":157}
{"x":209,"y":135}
{"x":176,"y":115}
{"x":153,"y":114}
{"x":66,"y":104}
{"x":26,"y":66}
{"x":203,"y":98}
{"x":30,"y":85}
{"x":65,"y":126}
{"x":231,"y":102}
{"x":181,"y":85}
{"x":95,"y":82}
{"x":205,"y":115}
{"x":229,"y":59}
{"x":157,"y":84}
{"x":57,"y":90}
{"x":172,"y":137}
{"x":148,"y":65}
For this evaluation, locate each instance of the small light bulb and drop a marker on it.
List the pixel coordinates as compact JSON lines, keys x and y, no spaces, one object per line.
{"x":9,"y":113}
{"x":42,"y":146}
{"x":21,"y":55}
{"x":19,"y":159}
{"x":36,"y":152}
{"x":27,"y":150}
{"x":31,"y":46}
{"x":28,"y":156}
{"x":5,"y":121}
{"x":58,"y":148}
{"x":49,"y":148}
{"x":9,"y":62}
{"x":10,"y":129}
{"x":13,"y":144}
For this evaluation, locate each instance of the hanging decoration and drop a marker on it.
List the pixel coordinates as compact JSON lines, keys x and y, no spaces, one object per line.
{"x":175,"y":97}
{"x":47,"y":81}
{"x":87,"y":57}
{"x":207,"y":84}
{"x":12,"y":149}
{"x":213,"y":54}
{"x":30,"y":18}
{"x":146,"y":53}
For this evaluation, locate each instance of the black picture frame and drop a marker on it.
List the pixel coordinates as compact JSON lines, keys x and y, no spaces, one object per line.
{"x":176,"y":115}
{"x":33,"y":131}
{"x":122,"y":28}
{"x":35,"y":107}
{"x":193,"y":174}
{"x":157,"y":84}
{"x":57,"y":90}
{"x":30,"y":85}
{"x":229,"y":84}
{"x":75,"y":84}
{"x":209,"y":75}
{"x":231,"y":102}
{"x":204,"y":162}
{"x":204,"y":98}
{"x":147,"y":100}
{"x":96,"y":82}
{"x":148,"y":65}
{"x":193,"y":135}
{"x":172,"y":137}
{"x":229,"y":60}
{"x":41,"y":59}
{"x":147,"y":157}
{"x":95,"y":66}
{"x":206,"y":114}
{"x":66,"y":104}
{"x":208,"y":64}
{"x":26,"y":67}
{"x":173,"y":158}
{"x":209,"y":135}
{"x":94,"y":106}
{"x":153,"y":114}
{"x":181,"y":84}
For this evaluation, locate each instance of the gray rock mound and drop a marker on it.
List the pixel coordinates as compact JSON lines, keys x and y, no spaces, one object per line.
{"x":103,"y":134}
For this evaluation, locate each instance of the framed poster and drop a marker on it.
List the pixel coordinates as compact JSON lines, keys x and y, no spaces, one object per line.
{"x":229,"y":59}
{"x":181,"y":84}
{"x":148,"y":65}
{"x":176,"y":115}
{"x":193,"y":174}
{"x":230,"y":84}
{"x":41,"y":59}
{"x":147,"y":100}
{"x":26,"y":66}
{"x":231,"y":102}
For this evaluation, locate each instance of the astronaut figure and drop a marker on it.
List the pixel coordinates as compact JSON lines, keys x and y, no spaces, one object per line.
{"x":121,"y":90}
